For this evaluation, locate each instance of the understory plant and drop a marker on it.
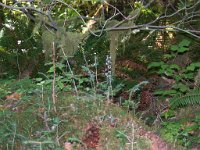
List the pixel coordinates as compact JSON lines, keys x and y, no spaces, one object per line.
{"x":182,"y":78}
{"x":182,"y":92}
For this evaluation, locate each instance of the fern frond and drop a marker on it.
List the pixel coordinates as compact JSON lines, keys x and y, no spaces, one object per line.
{"x":192,"y":98}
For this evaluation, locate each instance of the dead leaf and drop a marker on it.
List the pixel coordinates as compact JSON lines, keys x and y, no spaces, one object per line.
{"x":14,"y":96}
{"x":68,"y":146}
{"x":99,"y":147}
{"x":91,"y":137}
{"x":154,"y":146}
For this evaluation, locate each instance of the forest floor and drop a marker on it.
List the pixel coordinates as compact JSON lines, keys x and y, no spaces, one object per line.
{"x":29,"y":120}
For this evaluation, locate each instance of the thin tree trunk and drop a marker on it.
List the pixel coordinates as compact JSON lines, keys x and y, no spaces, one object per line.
{"x":54,"y":76}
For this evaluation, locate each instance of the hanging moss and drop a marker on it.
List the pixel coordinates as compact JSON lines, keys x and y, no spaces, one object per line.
{"x":68,"y":41}
{"x":114,"y":37}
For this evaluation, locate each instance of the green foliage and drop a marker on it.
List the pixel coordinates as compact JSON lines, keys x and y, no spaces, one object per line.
{"x":197,"y":121}
{"x":191,"y":98}
{"x":164,"y":68}
{"x":176,"y":73}
{"x":19,"y":47}
{"x":165,"y":92}
{"x":170,"y":130}
{"x":121,"y":136}
{"x":193,"y":66}
{"x":168,"y":114}
{"x":180,"y":75}
{"x":18,"y":128}
{"x":25,"y":86}
{"x":31,"y":124}
{"x":180,"y":132}
{"x":182,"y":47}
{"x":92,"y":47}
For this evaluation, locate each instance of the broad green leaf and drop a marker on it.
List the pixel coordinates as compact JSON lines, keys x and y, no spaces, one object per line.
{"x":161,"y":71}
{"x":56,"y":120}
{"x":48,"y":81}
{"x":1,"y":33}
{"x":168,"y":114}
{"x":60,"y":84}
{"x":168,"y":56}
{"x":38,"y":79}
{"x":184,"y":43}
{"x":193,"y":66}
{"x":174,"y":48}
{"x":74,"y":139}
{"x":165,"y":93}
{"x":51,"y":70}
{"x":175,"y":66}
{"x":177,"y":78}
{"x":197,"y":64}
{"x":59,"y":78}
{"x":169,"y":72}
{"x":60,"y":66}
{"x":181,"y":87}
{"x":183,"y":49}
{"x":188,"y":76}
{"x":164,"y":66}
{"x":155,"y":64}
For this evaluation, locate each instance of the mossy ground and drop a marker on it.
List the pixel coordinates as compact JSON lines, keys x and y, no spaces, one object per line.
{"x":31,"y":123}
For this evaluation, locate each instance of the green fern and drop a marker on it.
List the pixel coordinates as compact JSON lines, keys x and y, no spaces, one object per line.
{"x":192,"y":98}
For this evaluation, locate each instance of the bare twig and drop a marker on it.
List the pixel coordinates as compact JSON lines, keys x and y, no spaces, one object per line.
{"x":25,"y":10}
{"x":189,"y":11}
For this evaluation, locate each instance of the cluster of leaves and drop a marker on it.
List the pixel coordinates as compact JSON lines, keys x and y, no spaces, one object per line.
{"x":182,"y":76}
{"x":182,"y":92}
{"x":183,"y":132}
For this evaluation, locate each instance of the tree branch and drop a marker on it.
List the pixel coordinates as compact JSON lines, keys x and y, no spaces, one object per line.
{"x":31,"y":17}
{"x":189,"y":12}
